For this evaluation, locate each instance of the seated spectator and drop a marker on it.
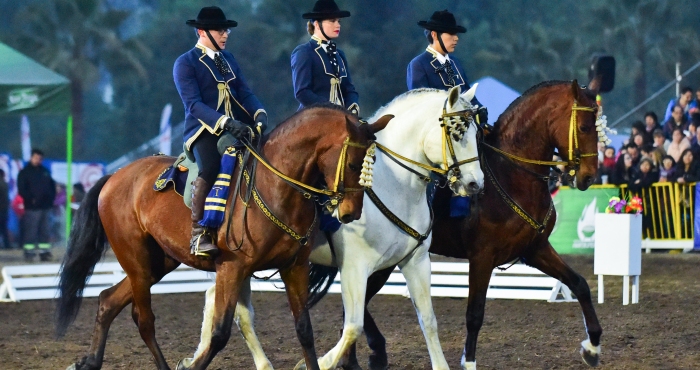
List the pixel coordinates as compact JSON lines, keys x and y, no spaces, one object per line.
{"x":679,"y":143}
{"x":651,"y":122}
{"x":667,"y":169}
{"x":677,"y":120}
{"x":639,"y":140}
{"x":638,"y":128}
{"x":685,"y":101}
{"x":657,"y":155}
{"x":695,"y":104}
{"x":660,"y":140}
{"x":606,"y":166}
{"x":687,"y":169}
{"x":624,"y":170}
{"x":644,"y":178}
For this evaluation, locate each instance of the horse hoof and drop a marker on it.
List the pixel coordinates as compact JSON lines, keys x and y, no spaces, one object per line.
{"x":590,"y":353}
{"x":301,"y":365}
{"x":183,"y":364}
{"x":378,"y":363}
{"x":354,"y":366}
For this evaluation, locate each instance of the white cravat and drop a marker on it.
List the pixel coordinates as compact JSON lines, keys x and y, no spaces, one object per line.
{"x":441,"y":58}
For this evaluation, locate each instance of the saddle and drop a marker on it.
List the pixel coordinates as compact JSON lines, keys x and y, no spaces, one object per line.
{"x":182,"y":173}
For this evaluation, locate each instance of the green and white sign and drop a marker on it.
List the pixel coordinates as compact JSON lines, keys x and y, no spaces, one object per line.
{"x":22,"y":99}
{"x":574,"y":232}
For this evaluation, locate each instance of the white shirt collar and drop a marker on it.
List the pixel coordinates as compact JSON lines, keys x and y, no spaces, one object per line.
{"x":320,"y":42}
{"x":211,"y":53}
{"x":441,"y":58}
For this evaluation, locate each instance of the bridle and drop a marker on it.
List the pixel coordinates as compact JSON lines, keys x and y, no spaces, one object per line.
{"x":336,"y":195}
{"x":573,"y":164}
{"x":454,"y":126}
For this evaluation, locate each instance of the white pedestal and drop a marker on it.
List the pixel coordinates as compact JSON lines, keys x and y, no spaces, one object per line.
{"x":618,"y":252}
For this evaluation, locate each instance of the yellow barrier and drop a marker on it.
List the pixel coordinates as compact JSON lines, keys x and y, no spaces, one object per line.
{"x":669,"y":210}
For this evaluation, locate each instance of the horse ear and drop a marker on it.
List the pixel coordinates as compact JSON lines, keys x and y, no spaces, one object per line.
{"x":453,"y":95}
{"x":575,"y":89}
{"x":594,"y":85}
{"x":380,"y":124}
{"x":469,"y":94}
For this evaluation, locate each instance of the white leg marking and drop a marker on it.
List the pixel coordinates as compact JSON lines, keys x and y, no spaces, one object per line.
{"x":588,"y":346}
{"x":207,"y":323}
{"x":245,"y":319}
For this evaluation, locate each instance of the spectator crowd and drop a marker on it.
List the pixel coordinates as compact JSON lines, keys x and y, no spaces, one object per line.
{"x":656,"y":151}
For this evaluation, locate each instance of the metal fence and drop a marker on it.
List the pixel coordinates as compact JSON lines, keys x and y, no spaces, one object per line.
{"x":669,"y":210}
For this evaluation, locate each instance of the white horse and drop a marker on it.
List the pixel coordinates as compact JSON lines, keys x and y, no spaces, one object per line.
{"x":373,"y":242}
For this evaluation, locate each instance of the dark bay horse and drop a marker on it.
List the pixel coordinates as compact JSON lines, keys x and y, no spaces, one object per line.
{"x":149,"y":231}
{"x":546,"y":117}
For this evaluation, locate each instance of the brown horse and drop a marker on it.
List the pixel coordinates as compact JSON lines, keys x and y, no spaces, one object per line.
{"x":546,"y":117}
{"x":149,"y":231}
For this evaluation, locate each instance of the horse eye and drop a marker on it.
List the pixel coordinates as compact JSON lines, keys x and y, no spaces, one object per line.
{"x":354,"y":167}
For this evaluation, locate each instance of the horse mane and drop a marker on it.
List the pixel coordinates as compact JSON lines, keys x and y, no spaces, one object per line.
{"x":411,"y":94}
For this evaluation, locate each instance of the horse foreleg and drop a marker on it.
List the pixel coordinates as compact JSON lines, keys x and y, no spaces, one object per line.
{"x":378,"y":359}
{"x":416,"y":269}
{"x":111,"y":302}
{"x":244,"y":318}
{"x":218,"y":315}
{"x":547,"y":260}
{"x":296,"y":282}
{"x":479,"y":277}
{"x":353,"y":288}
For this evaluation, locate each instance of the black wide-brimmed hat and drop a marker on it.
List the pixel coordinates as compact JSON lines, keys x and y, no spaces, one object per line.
{"x":442,"y":21}
{"x":326,"y":9}
{"x":211,"y":18}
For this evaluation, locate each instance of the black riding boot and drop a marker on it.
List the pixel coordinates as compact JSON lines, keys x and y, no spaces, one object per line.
{"x":201,"y":243}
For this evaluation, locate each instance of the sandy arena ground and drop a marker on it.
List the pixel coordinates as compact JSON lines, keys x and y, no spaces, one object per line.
{"x":659,"y":333}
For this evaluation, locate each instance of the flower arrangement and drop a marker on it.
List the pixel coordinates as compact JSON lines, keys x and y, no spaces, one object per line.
{"x":617,"y":205}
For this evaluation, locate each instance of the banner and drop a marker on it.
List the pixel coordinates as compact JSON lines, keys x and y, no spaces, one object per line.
{"x":574,"y":231}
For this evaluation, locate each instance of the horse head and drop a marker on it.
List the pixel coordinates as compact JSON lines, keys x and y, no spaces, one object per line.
{"x":576,"y":132}
{"x":451,"y":142}
{"x":342,"y":164}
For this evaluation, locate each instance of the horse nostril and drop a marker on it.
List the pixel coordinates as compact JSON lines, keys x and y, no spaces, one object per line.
{"x":473,"y":187}
{"x":346,"y":219}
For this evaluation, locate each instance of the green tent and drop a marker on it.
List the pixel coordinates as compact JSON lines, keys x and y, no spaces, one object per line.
{"x":27,"y":87}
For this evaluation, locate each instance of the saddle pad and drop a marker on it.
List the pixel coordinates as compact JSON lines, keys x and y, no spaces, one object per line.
{"x":171,"y":175}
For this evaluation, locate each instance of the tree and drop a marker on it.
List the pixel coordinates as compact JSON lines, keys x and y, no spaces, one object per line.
{"x":76,"y":38}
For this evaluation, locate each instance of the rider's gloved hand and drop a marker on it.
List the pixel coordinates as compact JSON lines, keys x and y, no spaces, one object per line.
{"x":261,"y":122}
{"x":482,"y":116}
{"x":237,"y":128}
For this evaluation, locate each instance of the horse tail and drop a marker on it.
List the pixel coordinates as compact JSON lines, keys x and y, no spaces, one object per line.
{"x":320,"y":280}
{"x":87,"y":244}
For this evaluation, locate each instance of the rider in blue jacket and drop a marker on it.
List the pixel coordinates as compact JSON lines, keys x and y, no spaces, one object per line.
{"x":216,"y":98}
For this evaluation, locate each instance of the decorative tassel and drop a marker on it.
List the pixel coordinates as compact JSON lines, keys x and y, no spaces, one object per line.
{"x":368,"y":167}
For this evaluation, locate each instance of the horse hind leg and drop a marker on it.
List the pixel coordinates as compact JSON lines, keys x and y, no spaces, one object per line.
{"x":111,"y":302}
{"x":548,"y":261}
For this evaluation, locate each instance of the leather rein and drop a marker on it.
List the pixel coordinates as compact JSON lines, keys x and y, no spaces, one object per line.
{"x":307,"y":191}
{"x":573,"y":165}
{"x":454,"y":125}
